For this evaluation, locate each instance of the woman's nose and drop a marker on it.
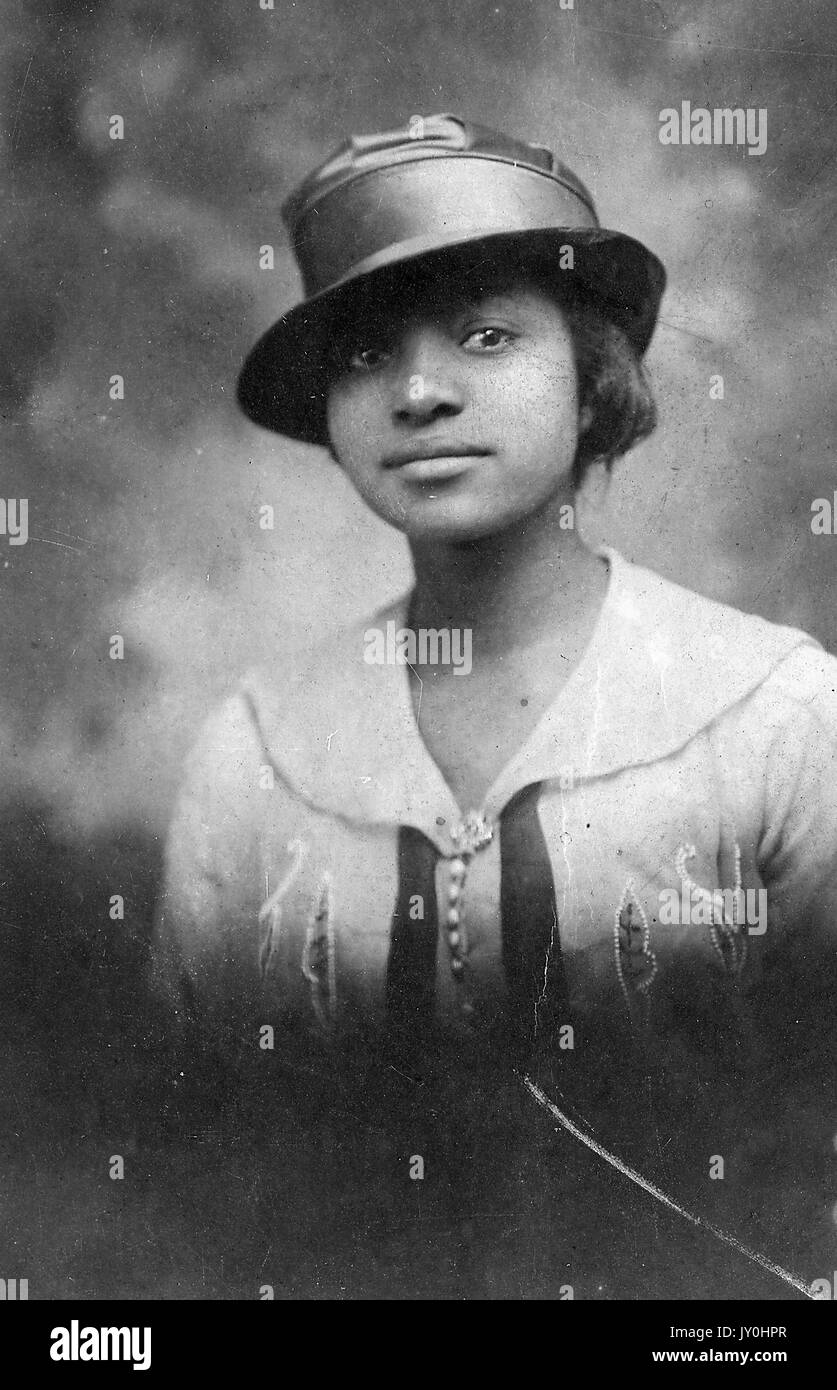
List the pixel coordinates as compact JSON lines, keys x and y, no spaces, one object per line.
{"x":428,"y":381}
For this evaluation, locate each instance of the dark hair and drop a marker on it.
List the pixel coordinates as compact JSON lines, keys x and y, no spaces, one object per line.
{"x":612,"y":383}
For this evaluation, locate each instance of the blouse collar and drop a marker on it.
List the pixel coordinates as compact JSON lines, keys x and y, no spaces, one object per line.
{"x":662,"y":664}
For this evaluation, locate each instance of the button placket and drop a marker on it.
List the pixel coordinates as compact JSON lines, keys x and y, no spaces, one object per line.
{"x":469,"y":836}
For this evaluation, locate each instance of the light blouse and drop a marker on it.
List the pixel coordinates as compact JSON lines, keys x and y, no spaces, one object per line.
{"x":665,"y":835}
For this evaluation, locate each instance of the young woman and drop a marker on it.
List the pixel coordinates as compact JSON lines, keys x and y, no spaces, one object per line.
{"x":616,"y":816}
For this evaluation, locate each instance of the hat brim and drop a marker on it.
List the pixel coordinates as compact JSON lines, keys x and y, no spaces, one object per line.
{"x":284,"y":382}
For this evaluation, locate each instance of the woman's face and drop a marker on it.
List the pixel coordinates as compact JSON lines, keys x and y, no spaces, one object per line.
{"x":454,"y":407}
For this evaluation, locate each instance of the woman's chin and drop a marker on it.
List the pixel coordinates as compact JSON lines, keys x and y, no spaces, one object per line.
{"x":457,"y":521}
{"x":456,"y":530}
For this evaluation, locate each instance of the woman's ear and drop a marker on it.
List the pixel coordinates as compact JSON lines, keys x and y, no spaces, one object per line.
{"x":585,"y":419}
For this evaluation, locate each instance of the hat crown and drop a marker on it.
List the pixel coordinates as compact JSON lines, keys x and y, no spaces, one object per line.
{"x":425,"y":137}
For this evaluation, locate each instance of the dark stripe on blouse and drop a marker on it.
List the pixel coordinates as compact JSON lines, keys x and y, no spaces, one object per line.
{"x":531,"y":944}
{"x":411,"y":968}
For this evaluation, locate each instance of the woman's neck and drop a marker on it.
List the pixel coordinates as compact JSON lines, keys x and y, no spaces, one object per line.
{"x":526,"y":586}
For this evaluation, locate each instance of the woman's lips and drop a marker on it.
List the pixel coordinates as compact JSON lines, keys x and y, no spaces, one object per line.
{"x":435,"y":468}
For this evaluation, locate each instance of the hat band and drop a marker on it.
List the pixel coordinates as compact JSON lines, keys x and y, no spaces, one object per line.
{"x":436,"y":201}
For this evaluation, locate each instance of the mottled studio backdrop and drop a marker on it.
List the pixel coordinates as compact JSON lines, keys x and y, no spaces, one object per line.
{"x":139,"y":257}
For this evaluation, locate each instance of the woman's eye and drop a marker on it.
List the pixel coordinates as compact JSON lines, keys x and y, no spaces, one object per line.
{"x":488,"y":339}
{"x":367,"y":358}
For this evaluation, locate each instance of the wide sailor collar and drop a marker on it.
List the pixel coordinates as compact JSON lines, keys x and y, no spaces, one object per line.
{"x":662,"y":664}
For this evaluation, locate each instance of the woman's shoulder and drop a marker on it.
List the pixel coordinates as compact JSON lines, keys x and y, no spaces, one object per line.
{"x":338,"y":651}
{"x":694,"y":625}
{"x":680,"y":662}
{"x":317,"y":715}
{"x":705,"y":636}
{"x":328,"y":666}
{"x":797,"y":700}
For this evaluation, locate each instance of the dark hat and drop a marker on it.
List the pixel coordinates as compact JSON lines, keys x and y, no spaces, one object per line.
{"x":441,"y":183}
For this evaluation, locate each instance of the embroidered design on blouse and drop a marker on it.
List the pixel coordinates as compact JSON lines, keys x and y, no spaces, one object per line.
{"x":318,"y":954}
{"x":636,"y":963}
{"x":727,"y":934}
{"x":271,"y":910}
